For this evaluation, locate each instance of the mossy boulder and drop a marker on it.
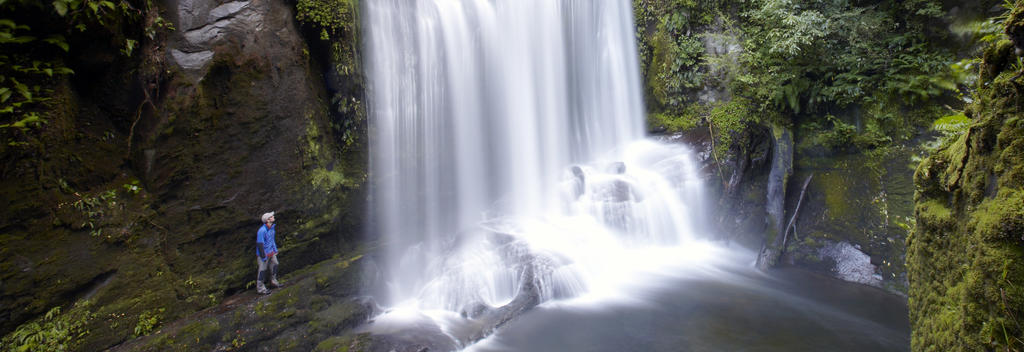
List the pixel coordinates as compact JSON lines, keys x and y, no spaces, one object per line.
{"x":965,"y":258}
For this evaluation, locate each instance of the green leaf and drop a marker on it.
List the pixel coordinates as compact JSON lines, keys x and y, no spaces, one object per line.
{"x":59,"y":41}
{"x":952,"y":124}
{"x":95,"y":7}
{"x":107,"y":4}
{"x":7,"y":23}
{"x":28,"y":119}
{"x":17,"y":40}
{"x":22,"y":89}
{"x":61,"y":7}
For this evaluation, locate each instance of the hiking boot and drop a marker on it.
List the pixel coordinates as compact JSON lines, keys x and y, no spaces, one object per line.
{"x":274,"y":283}
{"x":261,"y":289}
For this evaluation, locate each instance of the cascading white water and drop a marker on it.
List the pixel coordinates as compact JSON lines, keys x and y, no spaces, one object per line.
{"x":508,"y":134}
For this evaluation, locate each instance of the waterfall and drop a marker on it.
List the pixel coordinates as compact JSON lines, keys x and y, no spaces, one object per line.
{"x":507,"y":144}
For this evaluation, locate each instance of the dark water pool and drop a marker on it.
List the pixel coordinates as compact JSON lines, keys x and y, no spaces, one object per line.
{"x":783,"y":310}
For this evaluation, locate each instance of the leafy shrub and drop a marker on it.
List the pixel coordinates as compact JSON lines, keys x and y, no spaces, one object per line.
{"x":148,"y":322}
{"x":53,"y":332}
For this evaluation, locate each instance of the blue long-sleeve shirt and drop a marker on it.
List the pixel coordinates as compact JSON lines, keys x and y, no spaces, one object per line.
{"x":265,"y":238}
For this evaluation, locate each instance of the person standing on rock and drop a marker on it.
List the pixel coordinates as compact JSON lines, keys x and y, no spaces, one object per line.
{"x":266,"y":250}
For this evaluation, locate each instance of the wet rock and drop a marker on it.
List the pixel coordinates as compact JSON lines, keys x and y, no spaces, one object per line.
{"x":778,"y":177}
{"x":617,"y":168}
{"x":579,"y":185}
{"x":474,"y":310}
{"x":419,"y":335}
{"x":192,"y":61}
{"x":618,"y":190}
{"x":529,"y":296}
{"x":206,"y":25}
{"x":851,"y":264}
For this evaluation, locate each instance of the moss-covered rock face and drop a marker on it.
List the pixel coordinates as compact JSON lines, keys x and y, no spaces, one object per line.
{"x":864,"y":200}
{"x":860,"y":199}
{"x":966,"y":257}
{"x":143,"y":197}
{"x":315,"y":310}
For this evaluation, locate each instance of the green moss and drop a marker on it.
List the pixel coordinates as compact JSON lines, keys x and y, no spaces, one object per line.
{"x":964,"y":258}
{"x":933,"y":213}
{"x":202,"y":333}
{"x":835,"y":187}
{"x":995,"y":60}
{"x":326,"y":180}
{"x":321,"y":177}
{"x":334,"y":344}
{"x":344,"y":343}
{"x":670,"y":122}
{"x":656,"y":74}
{"x":957,"y":154}
{"x":1000,"y":219}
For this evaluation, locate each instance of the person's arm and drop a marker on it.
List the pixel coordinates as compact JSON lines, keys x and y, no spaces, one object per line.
{"x":259,"y":244}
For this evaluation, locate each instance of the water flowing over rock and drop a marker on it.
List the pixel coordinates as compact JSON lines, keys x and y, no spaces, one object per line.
{"x":476,"y":101}
{"x":508,"y":154}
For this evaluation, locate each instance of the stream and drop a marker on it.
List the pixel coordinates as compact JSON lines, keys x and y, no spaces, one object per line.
{"x":733,"y":308}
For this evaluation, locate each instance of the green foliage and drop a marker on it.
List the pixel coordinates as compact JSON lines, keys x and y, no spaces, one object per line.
{"x":52,"y":332}
{"x":237,"y":343}
{"x":952,"y":125}
{"x":148,"y":322}
{"x":677,"y":73}
{"x":94,"y":207}
{"x":337,"y":21}
{"x":672,"y":123}
{"x":969,"y":213}
{"x":334,"y":18}
{"x":836,"y":135}
{"x":36,"y":44}
{"x":132,"y":187}
{"x":725,"y":121}
{"x":25,"y":85}
{"x":800,"y":61}
{"x":803,"y":56}
{"x":728,"y":120}
{"x":673,"y":54}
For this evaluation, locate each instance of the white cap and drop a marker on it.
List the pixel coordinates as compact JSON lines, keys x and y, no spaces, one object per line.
{"x":267,"y":216}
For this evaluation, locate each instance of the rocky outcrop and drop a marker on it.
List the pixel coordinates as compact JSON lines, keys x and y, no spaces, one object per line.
{"x":778,"y":177}
{"x":965,"y":255}
{"x":142,"y":204}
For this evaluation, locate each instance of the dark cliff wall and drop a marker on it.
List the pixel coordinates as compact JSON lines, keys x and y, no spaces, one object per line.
{"x":966,"y":256}
{"x":138,"y":201}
